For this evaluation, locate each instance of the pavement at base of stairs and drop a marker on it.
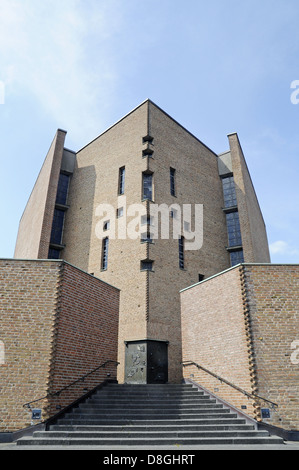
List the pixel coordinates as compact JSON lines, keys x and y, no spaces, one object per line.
{"x":288,"y":445}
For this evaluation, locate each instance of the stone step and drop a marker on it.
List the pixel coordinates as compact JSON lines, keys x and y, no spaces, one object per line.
{"x":236,"y":426}
{"x":149,"y":386}
{"x":261,"y":440}
{"x":149,"y":415}
{"x":155,"y":397}
{"x":204,"y":419}
{"x":146,"y":434}
{"x":151,"y":408}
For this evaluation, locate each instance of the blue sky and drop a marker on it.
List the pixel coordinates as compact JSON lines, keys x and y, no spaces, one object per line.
{"x":216,"y":67}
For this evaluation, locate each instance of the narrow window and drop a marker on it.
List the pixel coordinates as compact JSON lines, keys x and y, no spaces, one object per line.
{"x":200,"y":277}
{"x":57,"y":227}
{"x":62,"y":190}
{"x":173,"y":213}
{"x":120,"y":212}
{"x":53,"y":253}
{"x":233,"y":229}
{"x":236,"y":257}
{"x":105,"y":253}
{"x":172,"y":181}
{"x":121,"y":180}
{"x":229,"y":192}
{"x":186,"y":226}
{"x":147,"y":184}
{"x":106,"y":225}
{"x":181,"y":253}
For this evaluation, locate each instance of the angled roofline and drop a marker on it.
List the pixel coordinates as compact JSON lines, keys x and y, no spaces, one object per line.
{"x":113,"y":125}
{"x":182,"y":127}
{"x":160,"y":109}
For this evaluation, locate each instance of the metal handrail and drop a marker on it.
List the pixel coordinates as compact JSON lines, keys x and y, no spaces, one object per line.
{"x":247,"y":394}
{"x":81,"y":379}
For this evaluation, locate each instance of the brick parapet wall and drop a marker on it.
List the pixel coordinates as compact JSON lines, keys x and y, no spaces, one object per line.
{"x":214,"y":335}
{"x":272,"y":295}
{"x":57,"y":324}
{"x":28,"y":294}
{"x":243,"y":325}
{"x":87,"y":334}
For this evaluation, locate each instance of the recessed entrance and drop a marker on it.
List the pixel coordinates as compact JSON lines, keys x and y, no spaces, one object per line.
{"x":146,"y":362}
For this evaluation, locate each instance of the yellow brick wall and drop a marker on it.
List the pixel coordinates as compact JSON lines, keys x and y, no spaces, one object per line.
{"x":254,"y":235}
{"x":36,"y":222}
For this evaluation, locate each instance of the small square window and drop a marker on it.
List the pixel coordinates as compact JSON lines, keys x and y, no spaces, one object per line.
{"x":201,"y":277}
{"x":147,"y":237}
{"x":147,"y":220}
{"x":146,"y":265}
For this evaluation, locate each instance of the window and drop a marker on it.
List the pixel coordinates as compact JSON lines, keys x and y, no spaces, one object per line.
{"x":181,"y":252}
{"x":147,"y":220}
{"x":54,"y":254}
{"x":200,"y":277}
{"x":120,"y":212}
{"x":57,"y":227}
{"x":62,"y":190}
{"x":105,"y":253}
{"x":236,"y":257}
{"x":121,"y":180}
{"x":106,"y":225}
{"x":233,"y":229}
{"x":173,"y":213}
{"x":172,"y":181}
{"x":229,"y":192}
{"x":186,"y":226}
{"x":147,"y":184}
{"x":146,"y":265}
{"x":147,"y":237}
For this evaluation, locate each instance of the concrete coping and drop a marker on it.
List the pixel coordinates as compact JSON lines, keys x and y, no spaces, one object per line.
{"x":62,"y":262}
{"x":238,"y":266}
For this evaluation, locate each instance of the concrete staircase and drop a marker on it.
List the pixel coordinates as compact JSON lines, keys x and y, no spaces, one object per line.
{"x":149,"y":415}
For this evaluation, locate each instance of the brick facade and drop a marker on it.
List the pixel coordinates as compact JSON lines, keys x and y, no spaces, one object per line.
{"x":145,"y":140}
{"x":241,"y":325}
{"x":57,"y":324}
{"x":273,"y":306}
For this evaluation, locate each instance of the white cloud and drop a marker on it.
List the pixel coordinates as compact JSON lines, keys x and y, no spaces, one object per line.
{"x":282,"y":248}
{"x":58,"y":53}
